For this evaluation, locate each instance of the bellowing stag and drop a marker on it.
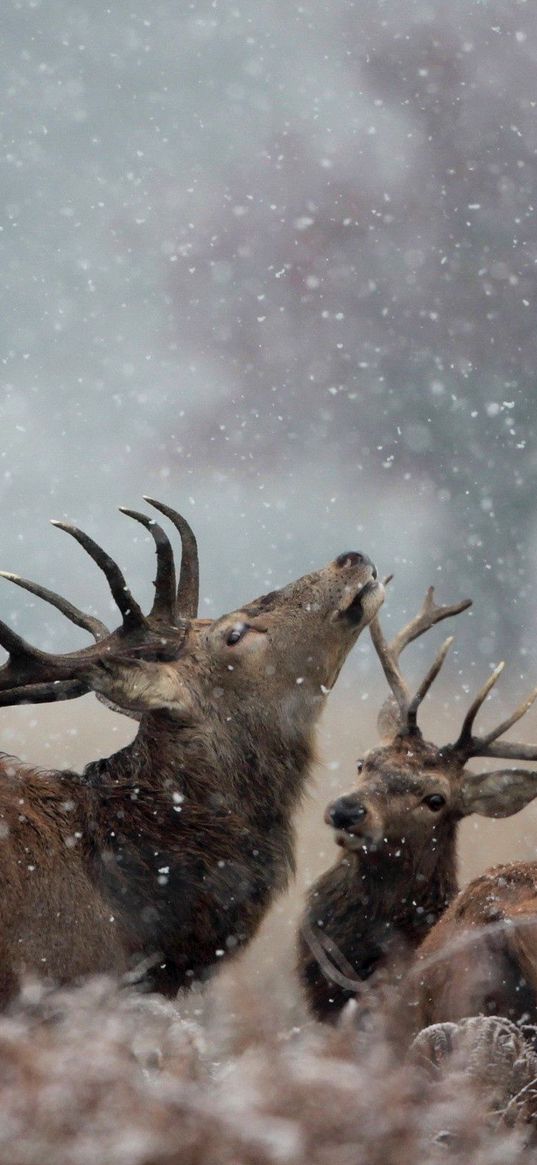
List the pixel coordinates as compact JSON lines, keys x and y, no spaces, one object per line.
{"x":168,"y":853}
{"x":398,"y":871}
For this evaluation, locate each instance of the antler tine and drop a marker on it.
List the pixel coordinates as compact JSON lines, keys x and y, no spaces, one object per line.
{"x":26,"y":664}
{"x":465,"y":740}
{"x":388,"y":660}
{"x":426,"y":683}
{"x":164,"y":602}
{"x":132,"y":614}
{"x":87,"y":622}
{"x":429,"y":614}
{"x":470,"y":745}
{"x":17,"y":647}
{"x":188,"y":588}
{"x":518,"y":713}
{"x":509,"y":750}
{"x":45,"y":693}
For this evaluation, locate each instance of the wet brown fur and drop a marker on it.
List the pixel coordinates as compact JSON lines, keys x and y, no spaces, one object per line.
{"x":391,"y":892}
{"x":80,"y":860}
{"x":481,"y":957}
{"x":165,"y":856}
{"x":378,"y":906}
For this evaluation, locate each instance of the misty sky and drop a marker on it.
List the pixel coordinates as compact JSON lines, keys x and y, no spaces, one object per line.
{"x":275,"y":264}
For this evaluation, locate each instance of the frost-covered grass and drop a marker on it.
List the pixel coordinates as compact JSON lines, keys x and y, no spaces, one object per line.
{"x":92,"y":1076}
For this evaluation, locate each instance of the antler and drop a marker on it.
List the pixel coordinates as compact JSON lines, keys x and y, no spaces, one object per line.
{"x":468,"y":745}
{"x":33,"y":676}
{"x":188,"y":590}
{"x":407,"y":705}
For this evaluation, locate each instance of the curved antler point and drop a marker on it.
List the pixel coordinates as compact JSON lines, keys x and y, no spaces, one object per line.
{"x":164,"y":604}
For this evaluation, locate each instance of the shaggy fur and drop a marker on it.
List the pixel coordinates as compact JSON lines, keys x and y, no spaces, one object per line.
{"x":481,"y":957}
{"x":163,"y":858}
{"x":374,"y":907}
{"x":389,"y":891}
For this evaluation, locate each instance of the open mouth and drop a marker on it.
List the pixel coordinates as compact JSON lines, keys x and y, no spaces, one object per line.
{"x":355,"y":609}
{"x":347,"y":840}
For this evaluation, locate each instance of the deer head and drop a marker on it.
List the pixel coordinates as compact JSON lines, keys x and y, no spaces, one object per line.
{"x":411,"y":792}
{"x":283,"y":650}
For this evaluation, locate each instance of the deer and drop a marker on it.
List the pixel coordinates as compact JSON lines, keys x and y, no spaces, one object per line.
{"x":160,"y":861}
{"x":390,"y":900}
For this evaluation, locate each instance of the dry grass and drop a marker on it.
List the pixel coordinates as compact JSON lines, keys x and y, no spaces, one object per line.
{"x":93,"y":1075}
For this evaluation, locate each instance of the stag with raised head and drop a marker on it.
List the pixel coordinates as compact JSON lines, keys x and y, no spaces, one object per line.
{"x":168,"y":853}
{"x":398,"y":829}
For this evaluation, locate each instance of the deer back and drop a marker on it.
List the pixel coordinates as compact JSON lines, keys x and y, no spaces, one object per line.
{"x":481,"y":957}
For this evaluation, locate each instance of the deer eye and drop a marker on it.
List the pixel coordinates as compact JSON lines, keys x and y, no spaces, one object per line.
{"x":359,"y":766}
{"x":236,"y":633}
{"x":435,"y":802}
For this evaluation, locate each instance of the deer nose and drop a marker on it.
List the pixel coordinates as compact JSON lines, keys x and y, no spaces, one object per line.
{"x":343,"y":814}
{"x":354,"y":558}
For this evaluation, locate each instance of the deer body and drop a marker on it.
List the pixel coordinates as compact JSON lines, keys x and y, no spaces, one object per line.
{"x":168,"y":853}
{"x":481,"y":957}
{"x":389,"y":896}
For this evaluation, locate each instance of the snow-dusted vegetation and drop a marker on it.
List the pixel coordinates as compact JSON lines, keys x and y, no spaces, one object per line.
{"x":95,"y":1076}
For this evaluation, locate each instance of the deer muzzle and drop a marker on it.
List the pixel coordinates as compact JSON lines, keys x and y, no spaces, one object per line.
{"x":356,"y":825}
{"x":363,"y":593}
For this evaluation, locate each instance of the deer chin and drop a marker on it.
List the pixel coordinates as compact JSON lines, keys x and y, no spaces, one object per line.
{"x":360,"y":842}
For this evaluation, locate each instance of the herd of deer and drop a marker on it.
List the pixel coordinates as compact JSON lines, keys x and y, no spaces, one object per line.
{"x":159,"y":862}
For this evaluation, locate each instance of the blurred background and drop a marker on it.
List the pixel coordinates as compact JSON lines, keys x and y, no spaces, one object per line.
{"x":276,"y":264}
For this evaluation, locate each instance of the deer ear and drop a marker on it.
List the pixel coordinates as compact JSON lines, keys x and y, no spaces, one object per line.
{"x":141,"y":687}
{"x":389,"y":720}
{"x":498,"y":794}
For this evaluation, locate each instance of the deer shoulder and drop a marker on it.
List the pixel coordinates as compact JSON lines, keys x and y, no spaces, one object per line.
{"x":398,"y":830}
{"x":166,"y":855}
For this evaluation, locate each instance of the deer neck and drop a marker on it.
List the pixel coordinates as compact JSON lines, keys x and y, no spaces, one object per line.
{"x":189,"y":816}
{"x":411,"y":886}
{"x":245,"y":762}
